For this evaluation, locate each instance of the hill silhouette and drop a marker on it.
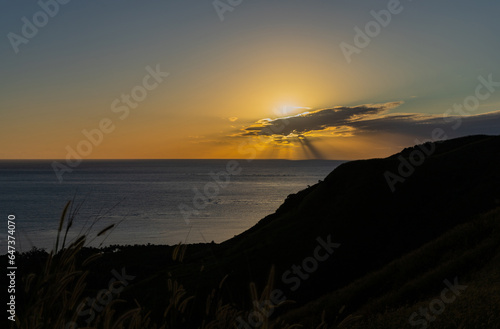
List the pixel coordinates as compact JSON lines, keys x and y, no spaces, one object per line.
{"x":374,"y":225}
{"x":375,"y":238}
{"x":355,"y":208}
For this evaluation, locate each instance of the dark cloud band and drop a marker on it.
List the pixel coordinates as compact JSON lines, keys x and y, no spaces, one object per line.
{"x":373,"y":118}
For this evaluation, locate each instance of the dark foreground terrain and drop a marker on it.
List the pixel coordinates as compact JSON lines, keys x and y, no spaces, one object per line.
{"x":409,"y":241}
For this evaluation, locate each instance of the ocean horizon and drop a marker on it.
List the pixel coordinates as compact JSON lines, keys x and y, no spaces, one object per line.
{"x":150,"y":201}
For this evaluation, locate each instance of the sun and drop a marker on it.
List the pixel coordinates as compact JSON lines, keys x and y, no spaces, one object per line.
{"x":288,"y":109}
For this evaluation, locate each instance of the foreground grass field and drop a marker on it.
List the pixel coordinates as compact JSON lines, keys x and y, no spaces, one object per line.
{"x":56,"y":294}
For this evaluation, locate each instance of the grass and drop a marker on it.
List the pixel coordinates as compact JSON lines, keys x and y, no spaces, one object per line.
{"x":55,"y":295}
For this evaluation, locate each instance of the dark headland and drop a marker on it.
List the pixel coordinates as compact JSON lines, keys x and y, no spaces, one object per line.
{"x":409,"y":241}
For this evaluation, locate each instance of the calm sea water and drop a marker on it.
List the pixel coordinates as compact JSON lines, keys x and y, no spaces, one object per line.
{"x":143,"y":196}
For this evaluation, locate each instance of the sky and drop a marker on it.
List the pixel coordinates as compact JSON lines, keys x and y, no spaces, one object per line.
{"x":288,"y":79}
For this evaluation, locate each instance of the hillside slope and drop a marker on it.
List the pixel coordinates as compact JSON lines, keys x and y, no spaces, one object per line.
{"x":398,"y":295}
{"x":355,"y":207}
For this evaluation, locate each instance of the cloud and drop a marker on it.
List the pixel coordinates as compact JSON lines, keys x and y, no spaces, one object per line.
{"x":317,"y":120}
{"x":423,"y":125}
{"x":371,"y":119}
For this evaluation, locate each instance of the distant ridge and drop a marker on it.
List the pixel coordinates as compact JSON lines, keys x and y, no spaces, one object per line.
{"x":354,"y":204}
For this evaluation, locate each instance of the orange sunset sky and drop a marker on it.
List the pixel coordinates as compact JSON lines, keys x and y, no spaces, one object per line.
{"x":262,"y":79}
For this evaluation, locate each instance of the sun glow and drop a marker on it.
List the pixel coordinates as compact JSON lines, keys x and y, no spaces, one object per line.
{"x":287,"y":110}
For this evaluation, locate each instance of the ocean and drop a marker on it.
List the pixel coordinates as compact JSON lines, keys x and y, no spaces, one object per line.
{"x":150,"y":201}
